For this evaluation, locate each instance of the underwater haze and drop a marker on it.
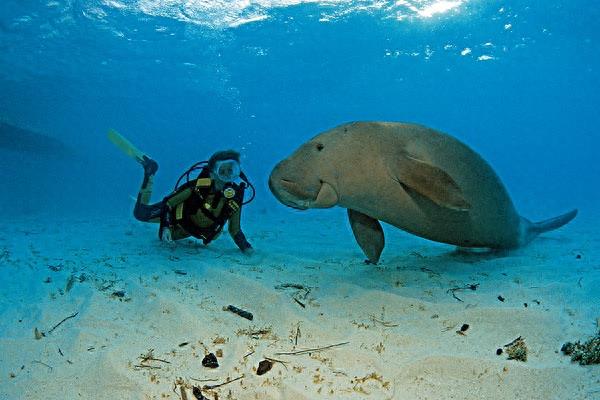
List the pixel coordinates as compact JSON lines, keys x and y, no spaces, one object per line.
{"x":516,"y":80}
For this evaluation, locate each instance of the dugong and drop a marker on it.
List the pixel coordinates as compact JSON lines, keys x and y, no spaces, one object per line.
{"x":412,"y":177}
{"x":22,"y":140}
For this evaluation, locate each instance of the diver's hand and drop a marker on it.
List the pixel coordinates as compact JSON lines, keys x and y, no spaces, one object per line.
{"x":166,"y":235}
{"x":248,"y":251}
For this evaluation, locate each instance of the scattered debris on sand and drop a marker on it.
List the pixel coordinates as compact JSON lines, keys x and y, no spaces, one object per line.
{"x":37,"y":334}
{"x":198,"y":393}
{"x":70,"y":283}
{"x":146,"y":359}
{"x":463,"y":329}
{"x":309,"y":351}
{"x":470,"y":286}
{"x":517,"y":349}
{"x":257,"y":333}
{"x":210,"y":361}
{"x":56,"y":267}
{"x":584,"y":353}
{"x":300,"y":292}
{"x":242,"y":313}
{"x":263,"y":367}
{"x":227,"y":382}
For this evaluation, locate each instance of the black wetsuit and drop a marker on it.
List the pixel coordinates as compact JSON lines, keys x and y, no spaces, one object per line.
{"x":197,"y":208}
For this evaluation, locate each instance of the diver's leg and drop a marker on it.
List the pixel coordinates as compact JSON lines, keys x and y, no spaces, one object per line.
{"x":150,"y":168}
{"x":144,"y":211}
{"x":148,"y":212}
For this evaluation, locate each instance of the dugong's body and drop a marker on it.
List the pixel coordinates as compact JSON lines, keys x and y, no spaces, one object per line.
{"x":415,"y":178}
{"x":22,"y":140}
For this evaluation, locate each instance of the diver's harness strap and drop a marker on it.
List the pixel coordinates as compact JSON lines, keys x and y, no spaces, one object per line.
{"x":191,"y":197}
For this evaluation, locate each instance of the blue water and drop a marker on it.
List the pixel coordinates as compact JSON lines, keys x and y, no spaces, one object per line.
{"x":516,"y":80}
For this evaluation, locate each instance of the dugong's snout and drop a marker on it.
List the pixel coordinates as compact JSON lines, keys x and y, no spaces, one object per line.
{"x":287,"y":191}
{"x":301,"y":190}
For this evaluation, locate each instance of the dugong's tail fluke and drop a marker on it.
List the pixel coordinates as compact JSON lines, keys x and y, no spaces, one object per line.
{"x":533,"y":229}
{"x":553,"y":223}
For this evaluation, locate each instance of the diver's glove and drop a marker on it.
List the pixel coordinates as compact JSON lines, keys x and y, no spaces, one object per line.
{"x":165,"y":231}
{"x":242,"y":243}
{"x":166,"y":235}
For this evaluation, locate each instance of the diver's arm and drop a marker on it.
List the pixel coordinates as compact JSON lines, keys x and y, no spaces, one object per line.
{"x":236,"y":233}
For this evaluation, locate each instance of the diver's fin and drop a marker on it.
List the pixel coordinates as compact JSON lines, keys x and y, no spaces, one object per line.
{"x":368,"y":233}
{"x":126,"y":146}
{"x":429,"y":181}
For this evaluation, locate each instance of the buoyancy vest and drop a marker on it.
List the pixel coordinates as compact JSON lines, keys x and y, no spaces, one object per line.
{"x":200,"y":195}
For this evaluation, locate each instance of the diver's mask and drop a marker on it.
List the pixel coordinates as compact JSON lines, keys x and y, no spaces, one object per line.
{"x":227,"y":170}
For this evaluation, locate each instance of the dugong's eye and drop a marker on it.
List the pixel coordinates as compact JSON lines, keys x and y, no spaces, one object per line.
{"x":320,"y":146}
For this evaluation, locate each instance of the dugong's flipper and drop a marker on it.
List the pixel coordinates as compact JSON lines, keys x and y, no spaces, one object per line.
{"x":429,"y":181}
{"x":368,"y":234}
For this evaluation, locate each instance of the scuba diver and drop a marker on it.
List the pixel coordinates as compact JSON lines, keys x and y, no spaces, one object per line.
{"x":198,"y":207}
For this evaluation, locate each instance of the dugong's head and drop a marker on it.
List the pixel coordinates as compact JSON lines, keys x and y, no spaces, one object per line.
{"x":309,"y":177}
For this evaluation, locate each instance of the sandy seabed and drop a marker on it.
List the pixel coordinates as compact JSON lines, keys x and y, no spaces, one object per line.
{"x":141,"y":314}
